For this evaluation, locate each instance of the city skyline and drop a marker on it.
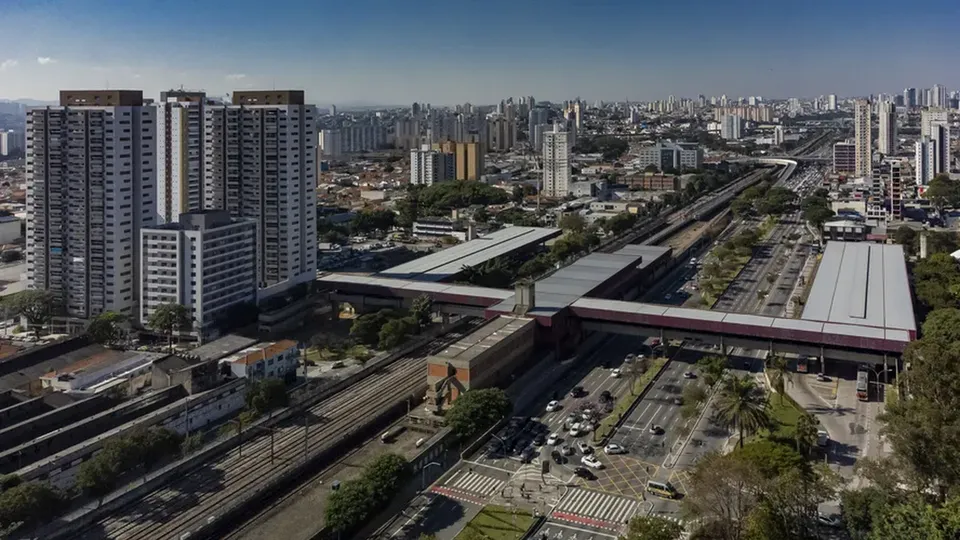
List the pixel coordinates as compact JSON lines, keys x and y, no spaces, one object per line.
{"x":384,"y":54}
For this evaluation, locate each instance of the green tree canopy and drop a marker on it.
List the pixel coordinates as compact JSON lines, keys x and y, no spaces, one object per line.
{"x":29,"y":503}
{"x":742,"y":405}
{"x":573,"y":222}
{"x":36,"y":306}
{"x":943,"y":192}
{"x":477,"y":410}
{"x":267,"y":394}
{"x":170,"y":318}
{"x":396,"y":331}
{"x":105,"y":328}
{"x":652,"y":528}
{"x":422,"y":310}
{"x":366,"y":328}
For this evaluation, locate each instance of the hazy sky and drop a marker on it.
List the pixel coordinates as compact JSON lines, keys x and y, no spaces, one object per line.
{"x":444,"y":52}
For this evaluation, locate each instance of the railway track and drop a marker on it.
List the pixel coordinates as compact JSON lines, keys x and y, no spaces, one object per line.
{"x":198,"y":498}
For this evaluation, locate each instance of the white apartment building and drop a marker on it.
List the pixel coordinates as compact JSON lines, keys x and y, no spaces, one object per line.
{"x":11,"y":142}
{"x":91,"y":187}
{"x":778,"y":135}
{"x":260,"y":164}
{"x":428,"y":166}
{"x":205,"y":262}
{"x":330,"y":143}
{"x":887,"y":136}
{"x":556,"y":163}
{"x":862,"y":138}
{"x":265,"y":360}
{"x":932,"y":153}
{"x":832,"y":102}
{"x":179,"y":154}
{"x":932,"y":117}
{"x":730,"y":127}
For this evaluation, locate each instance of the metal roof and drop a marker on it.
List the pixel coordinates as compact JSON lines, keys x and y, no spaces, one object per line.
{"x":862,"y":284}
{"x":480,"y":340}
{"x":584,"y":277}
{"x":450,"y":262}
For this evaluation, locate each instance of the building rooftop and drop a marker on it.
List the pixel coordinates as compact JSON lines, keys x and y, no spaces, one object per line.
{"x":586,"y":277}
{"x":448,"y":263}
{"x":221,"y":347}
{"x":474,"y":344}
{"x":260,"y":351}
{"x":862,"y":284}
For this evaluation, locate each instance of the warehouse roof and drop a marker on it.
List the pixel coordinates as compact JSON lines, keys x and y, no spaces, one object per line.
{"x":450,"y":262}
{"x":862,"y":284}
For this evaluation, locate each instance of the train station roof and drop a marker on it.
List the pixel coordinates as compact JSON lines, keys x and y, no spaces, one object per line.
{"x":448,"y":263}
{"x":862,"y":284}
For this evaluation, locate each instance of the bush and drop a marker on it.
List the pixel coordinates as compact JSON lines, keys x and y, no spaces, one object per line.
{"x":477,"y":410}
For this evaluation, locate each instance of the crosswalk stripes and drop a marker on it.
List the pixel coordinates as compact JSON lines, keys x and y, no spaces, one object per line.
{"x":472,"y":482}
{"x":596,"y":509}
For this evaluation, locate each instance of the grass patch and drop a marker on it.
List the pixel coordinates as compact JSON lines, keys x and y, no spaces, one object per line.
{"x":784,"y":415}
{"x":627,"y":401}
{"x":497,"y":523}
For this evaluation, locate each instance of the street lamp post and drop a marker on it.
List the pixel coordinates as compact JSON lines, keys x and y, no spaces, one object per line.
{"x":423,"y":474}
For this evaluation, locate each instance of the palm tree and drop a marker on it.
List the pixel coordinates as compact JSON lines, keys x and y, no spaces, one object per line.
{"x":806,"y":433}
{"x":780,"y":374}
{"x":743,"y":406}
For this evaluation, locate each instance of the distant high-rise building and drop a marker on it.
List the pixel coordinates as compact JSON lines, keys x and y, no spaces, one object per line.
{"x":538,"y":117}
{"x":180,"y":147}
{"x":11,"y":142}
{"x":556,"y":163}
{"x":468,"y":158}
{"x":924,"y":160}
{"x":91,"y":188}
{"x":910,"y":97}
{"x":730,"y":127}
{"x":832,"y":102}
{"x":898,"y":100}
{"x":778,"y":136}
{"x":333,"y":110}
{"x":887,"y":138}
{"x":895,"y":190}
{"x":844,"y":158}
{"x":329,"y":142}
{"x":428,"y":166}
{"x":666,"y":155}
{"x":931,"y":117}
{"x":205,"y":262}
{"x":862,"y":138}
{"x":938,"y":96}
{"x":261,"y":164}
{"x":501,"y":134}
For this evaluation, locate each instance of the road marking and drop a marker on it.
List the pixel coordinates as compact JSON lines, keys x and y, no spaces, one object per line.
{"x":578,"y":529}
{"x":596,"y":509}
{"x":412,"y":519}
{"x":447,"y":492}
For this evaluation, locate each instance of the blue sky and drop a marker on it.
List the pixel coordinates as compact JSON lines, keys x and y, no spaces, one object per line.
{"x":444,"y":52}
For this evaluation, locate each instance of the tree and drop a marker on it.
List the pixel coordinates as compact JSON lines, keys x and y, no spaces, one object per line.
{"x":805,"y":434}
{"x":723,"y":494}
{"x":348,"y":507}
{"x":98,"y":476}
{"x":422,"y":310}
{"x":741,"y":405}
{"x":366,"y":328}
{"x":266,"y":394}
{"x":481,"y":215}
{"x":477,"y":410}
{"x":105,"y":328}
{"x":396,"y":331}
{"x":907,"y":237}
{"x":573,"y":223}
{"x":942,"y":325}
{"x":36,"y":306}
{"x":712,"y":369}
{"x":28,"y":503}
{"x":385,"y":474}
{"x":634,"y":371}
{"x":942,"y":192}
{"x":369,"y":221}
{"x":653,"y":528}
{"x":780,"y":374}
{"x":170,"y":318}
{"x":771,"y":459}
{"x":517,"y":196}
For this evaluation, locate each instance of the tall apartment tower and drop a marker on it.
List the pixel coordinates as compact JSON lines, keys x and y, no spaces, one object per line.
{"x":179,"y":154}
{"x":910,"y":97}
{"x":730,"y":127}
{"x":260,"y":164}
{"x":832,"y":102}
{"x":888,"y":128}
{"x":429,"y":166}
{"x":91,"y":188}
{"x":556,"y":163}
{"x":861,"y":135}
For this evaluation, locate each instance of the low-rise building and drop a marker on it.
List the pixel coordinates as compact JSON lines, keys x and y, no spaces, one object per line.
{"x":666,"y":155}
{"x":265,"y":360}
{"x":93,"y":373}
{"x":199,"y":369}
{"x":440,"y":227}
{"x":845,"y":230}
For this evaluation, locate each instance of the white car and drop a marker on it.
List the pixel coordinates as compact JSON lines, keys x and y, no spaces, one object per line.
{"x":553,"y":406}
{"x":553,"y":439}
{"x":615,"y":373}
{"x":591,"y":461}
{"x":614,"y":448}
{"x":584,"y":448}
{"x":574,"y":430}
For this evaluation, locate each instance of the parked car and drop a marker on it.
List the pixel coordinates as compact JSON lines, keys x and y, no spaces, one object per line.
{"x":584,"y":448}
{"x":591,"y":461}
{"x":553,"y":406}
{"x":553,"y":439}
{"x":539,"y":439}
{"x":689,"y":375}
{"x":566,"y":450}
{"x":615,"y":373}
{"x":584,"y":473}
{"x":613,"y":448}
{"x":578,"y":392}
{"x":575,"y":430}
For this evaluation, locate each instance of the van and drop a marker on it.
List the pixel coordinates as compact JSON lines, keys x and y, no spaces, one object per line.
{"x":662,"y":489}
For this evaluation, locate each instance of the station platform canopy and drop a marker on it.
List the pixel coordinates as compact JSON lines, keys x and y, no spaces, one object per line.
{"x":446,"y":264}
